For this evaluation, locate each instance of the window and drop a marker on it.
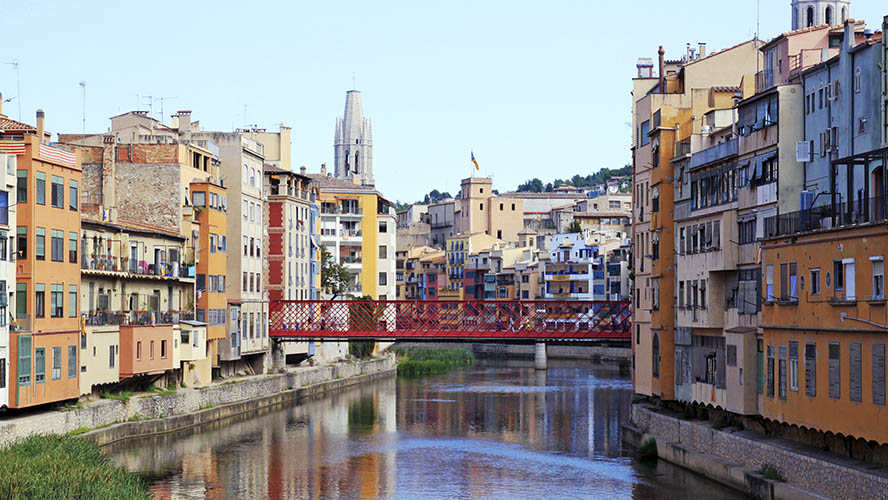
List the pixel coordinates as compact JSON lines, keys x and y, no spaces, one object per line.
{"x":72,"y":301}
{"x":878,"y":277}
{"x":72,"y":248}
{"x":857,"y":80}
{"x":382,"y":252}
{"x":788,"y":282}
{"x":656,"y":356}
{"x":835,"y":374}
{"x":58,"y":192}
{"x":383,"y":227}
{"x":151,"y":350}
{"x":383,"y":279}
{"x":246,"y":209}
{"x":40,"y":189}
{"x":139,"y":349}
{"x":781,"y":372}
{"x":879,"y":374}
{"x":39,"y":365}
{"x":40,"y":251}
{"x":811,"y":369}
{"x":793,"y":366}
{"x":769,"y":282}
{"x":72,"y":361}
{"x":110,"y":356}
{"x":24,"y":360}
{"x":199,"y":199}
{"x":855,"y":370}
{"x":58,"y":245}
{"x":56,"y":299}
{"x":72,"y":195}
{"x":747,"y":232}
{"x":645,"y":130}
{"x":39,"y":300}
{"x":815,"y":282}
{"x":163,"y":349}
{"x":21,"y":193}
{"x":770,"y":371}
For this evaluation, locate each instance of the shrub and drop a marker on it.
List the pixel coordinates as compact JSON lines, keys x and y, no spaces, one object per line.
{"x":771,"y":472}
{"x":648,"y":450}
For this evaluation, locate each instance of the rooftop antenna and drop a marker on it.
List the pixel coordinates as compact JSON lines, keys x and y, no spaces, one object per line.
{"x":18,"y":87}
{"x":83,"y":86}
{"x":353,"y":81}
{"x":245,"y":116}
{"x":150,"y":103}
{"x":161,"y":99}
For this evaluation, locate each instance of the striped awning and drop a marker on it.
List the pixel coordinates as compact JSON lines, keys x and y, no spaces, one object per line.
{"x":15,"y":148}
{"x":58,"y":155}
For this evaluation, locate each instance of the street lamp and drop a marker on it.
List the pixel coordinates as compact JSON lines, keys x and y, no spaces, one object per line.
{"x":844,"y":316}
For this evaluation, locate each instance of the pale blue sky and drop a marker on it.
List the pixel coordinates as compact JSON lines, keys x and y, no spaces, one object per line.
{"x":537,"y":89}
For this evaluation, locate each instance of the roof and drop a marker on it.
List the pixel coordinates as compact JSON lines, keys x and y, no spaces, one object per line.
{"x":726,"y":88}
{"x":10,"y":125}
{"x":271,"y":169}
{"x":795,"y":32}
{"x":123,"y":226}
{"x":325,"y":181}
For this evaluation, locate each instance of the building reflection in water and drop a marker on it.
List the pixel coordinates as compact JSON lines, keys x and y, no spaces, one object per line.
{"x":501,"y":429}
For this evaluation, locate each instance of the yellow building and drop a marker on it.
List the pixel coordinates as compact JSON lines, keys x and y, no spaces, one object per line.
{"x":482,"y":211}
{"x":358,"y":227}
{"x":458,"y":248}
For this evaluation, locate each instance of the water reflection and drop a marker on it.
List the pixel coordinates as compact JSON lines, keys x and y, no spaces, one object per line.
{"x":499,"y":430}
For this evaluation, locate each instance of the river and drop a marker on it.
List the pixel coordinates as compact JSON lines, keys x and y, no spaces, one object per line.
{"x":499,"y":430}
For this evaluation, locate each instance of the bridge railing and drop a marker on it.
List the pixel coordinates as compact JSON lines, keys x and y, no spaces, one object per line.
{"x":458,"y":319}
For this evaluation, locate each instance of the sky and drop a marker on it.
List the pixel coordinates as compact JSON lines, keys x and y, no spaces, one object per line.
{"x":535,"y":89}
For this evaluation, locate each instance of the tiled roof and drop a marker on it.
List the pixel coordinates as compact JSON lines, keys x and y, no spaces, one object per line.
{"x":726,"y":88}
{"x":9,"y":125}
{"x":332,"y":183}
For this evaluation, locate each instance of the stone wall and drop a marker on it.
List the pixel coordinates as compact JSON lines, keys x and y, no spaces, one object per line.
{"x":731,"y":456}
{"x":150,"y":193}
{"x":184,"y":401}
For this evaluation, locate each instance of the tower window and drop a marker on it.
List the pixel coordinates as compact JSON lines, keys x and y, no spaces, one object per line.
{"x":809,"y":17}
{"x":827,"y":16}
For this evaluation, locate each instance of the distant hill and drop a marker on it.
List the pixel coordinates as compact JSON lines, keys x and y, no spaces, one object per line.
{"x":536,"y":186}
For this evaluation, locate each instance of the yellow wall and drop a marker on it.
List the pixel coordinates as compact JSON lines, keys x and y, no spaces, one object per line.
{"x":96,"y":357}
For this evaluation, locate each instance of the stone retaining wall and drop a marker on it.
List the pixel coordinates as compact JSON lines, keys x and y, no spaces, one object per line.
{"x":185,"y":401}
{"x":732,"y":456}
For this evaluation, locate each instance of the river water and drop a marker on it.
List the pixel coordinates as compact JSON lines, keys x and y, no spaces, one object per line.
{"x":499,"y":430}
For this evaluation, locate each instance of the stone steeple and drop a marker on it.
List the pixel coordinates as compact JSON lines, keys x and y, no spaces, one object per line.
{"x":353,"y":143}
{"x":807,"y":13}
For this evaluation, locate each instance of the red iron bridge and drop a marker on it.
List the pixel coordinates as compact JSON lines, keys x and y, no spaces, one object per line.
{"x":444,"y":320}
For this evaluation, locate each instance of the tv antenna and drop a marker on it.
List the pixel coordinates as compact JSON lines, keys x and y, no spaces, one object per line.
{"x":161,"y":99}
{"x":18,"y":86}
{"x":83,"y":86}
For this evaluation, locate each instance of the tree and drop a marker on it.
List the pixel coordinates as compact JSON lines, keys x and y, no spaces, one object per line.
{"x":363,"y":348}
{"x":334,"y":276}
{"x":574,"y":227}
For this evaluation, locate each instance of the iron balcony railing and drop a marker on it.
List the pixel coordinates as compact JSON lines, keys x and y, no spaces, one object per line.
{"x":827,"y":216}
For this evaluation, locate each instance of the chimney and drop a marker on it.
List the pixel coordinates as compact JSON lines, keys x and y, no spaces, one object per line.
{"x":40,"y":116}
{"x":302,"y":170}
{"x":183,"y":124}
{"x":701,"y":52}
{"x":324,"y":169}
{"x":662,"y":70}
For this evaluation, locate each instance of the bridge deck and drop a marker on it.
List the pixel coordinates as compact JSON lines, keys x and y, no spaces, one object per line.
{"x":450,"y":320}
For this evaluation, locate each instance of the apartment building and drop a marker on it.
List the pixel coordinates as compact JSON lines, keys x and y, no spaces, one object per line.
{"x":482,"y":211}
{"x":8,"y":169}
{"x":576,"y":268}
{"x":44,"y":341}
{"x":358,"y":227}
{"x":411,"y":272}
{"x":442,"y":221}
{"x":458,"y":248}
{"x":683,"y":89}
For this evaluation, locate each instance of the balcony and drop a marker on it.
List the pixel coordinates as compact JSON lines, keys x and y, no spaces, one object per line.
{"x":714,"y":153}
{"x":827,"y":217}
{"x":764,"y":80}
{"x":681,"y":148}
{"x":350,"y":259}
{"x":22,"y":323}
{"x":439,"y":225}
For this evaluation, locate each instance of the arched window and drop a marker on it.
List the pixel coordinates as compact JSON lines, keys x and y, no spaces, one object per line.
{"x":828,"y":16}
{"x":795,"y":18}
{"x":809,"y":17}
{"x":356,"y":161}
{"x":346,"y":161}
{"x":656,"y":356}
{"x":844,"y":14}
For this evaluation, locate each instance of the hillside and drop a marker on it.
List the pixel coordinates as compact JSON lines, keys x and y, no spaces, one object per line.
{"x":536,"y":185}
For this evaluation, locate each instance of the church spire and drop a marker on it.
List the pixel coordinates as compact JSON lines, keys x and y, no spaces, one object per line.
{"x":352,"y":142}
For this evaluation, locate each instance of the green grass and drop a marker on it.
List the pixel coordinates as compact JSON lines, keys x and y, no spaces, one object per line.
{"x":424,"y":361}
{"x":771,"y":472}
{"x":64,"y":467}
{"x":78,"y":431}
{"x":206,"y":406}
{"x":123,"y":396}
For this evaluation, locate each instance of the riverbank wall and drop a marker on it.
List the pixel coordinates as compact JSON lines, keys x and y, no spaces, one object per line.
{"x":735,"y":457}
{"x":113,"y":420}
{"x":596,"y":353}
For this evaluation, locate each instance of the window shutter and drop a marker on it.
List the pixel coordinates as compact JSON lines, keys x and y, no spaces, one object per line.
{"x":811,"y":369}
{"x":855,"y":375}
{"x":835,"y":374}
{"x":879,"y":374}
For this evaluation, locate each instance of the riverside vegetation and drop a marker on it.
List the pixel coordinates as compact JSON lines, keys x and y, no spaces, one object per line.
{"x":416,"y":362}
{"x":41,"y":467}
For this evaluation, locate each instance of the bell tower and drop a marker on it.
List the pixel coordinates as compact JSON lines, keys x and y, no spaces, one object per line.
{"x":807,"y":13}
{"x":353,"y":143}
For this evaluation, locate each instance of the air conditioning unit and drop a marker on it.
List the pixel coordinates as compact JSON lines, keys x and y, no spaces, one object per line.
{"x":804,"y":151}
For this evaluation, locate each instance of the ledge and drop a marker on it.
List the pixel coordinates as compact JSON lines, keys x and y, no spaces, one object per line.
{"x":842,"y":302}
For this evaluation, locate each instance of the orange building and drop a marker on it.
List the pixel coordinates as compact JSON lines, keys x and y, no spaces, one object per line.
{"x":44,"y":341}
{"x":211,"y":261}
{"x":146,"y":350}
{"x":825,"y":324}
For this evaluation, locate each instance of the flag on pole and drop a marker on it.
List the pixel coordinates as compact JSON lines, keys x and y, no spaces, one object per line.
{"x":475,"y":162}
